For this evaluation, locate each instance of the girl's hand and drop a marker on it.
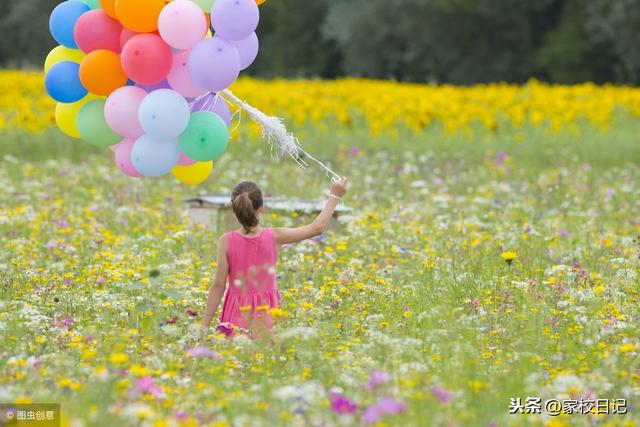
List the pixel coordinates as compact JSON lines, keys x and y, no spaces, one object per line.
{"x":339,"y":188}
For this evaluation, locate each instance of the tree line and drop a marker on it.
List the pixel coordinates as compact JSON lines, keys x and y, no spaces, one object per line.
{"x":444,"y":41}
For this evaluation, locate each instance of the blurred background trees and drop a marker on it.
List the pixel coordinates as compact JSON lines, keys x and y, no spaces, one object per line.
{"x":446,"y":41}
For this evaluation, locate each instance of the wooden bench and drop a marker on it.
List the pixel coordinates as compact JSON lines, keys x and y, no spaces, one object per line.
{"x":214,"y":210}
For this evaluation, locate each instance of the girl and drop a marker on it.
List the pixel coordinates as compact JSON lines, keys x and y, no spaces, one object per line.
{"x":248,"y":258}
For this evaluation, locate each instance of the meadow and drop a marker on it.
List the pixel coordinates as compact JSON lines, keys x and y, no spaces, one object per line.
{"x":492,"y":254}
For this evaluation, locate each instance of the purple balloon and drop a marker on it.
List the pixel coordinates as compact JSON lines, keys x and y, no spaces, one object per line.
{"x":162,"y":85}
{"x":248,"y":50}
{"x":235,"y":19}
{"x":214,"y":64}
{"x":217,"y":106}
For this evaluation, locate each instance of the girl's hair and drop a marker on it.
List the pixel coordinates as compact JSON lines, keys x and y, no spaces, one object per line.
{"x":246,"y":199}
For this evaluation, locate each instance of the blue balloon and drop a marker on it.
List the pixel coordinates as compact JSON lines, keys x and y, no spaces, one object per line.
{"x":63,"y":20}
{"x":154,"y":158}
{"x":164,"y":114}
{"x":63,"y":82}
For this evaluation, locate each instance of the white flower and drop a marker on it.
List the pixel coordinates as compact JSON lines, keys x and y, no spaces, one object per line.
{"x":303,"y":332}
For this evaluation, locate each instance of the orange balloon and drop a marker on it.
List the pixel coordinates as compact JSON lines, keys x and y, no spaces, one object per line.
{"x":101,"y":72}
{"x":109,"y":7}
{"x":259,"y":2}
{"x":140,"y":16}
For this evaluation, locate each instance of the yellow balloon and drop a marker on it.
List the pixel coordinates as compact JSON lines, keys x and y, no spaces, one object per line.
{"x":60,"y":54}
{"x":66,"y":115}
{"x":195,"y":174}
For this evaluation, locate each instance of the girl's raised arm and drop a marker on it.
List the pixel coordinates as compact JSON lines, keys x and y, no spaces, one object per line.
{"x":319,"y":225}
{"x":219,"y":282}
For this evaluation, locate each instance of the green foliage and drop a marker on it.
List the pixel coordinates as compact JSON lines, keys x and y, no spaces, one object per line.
{"x":450,"y":41}
{"x":24,"y":27}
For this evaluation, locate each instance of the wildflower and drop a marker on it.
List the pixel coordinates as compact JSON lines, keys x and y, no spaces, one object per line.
{"x":139,"y":371}
{"x":509,"y":256}
{"x":384,"y":406}
{"x":627,"y":348}
{"x":341,"y":405}
{"x":391,"y":406}
{"x":225,"y":328}
{"x":377,"y":378}
{"x":148,"y":385}
{"x":181,"y":415}
{"x":118,"y":358}
{"x":442,"y":395}
{"x":277,"y":313}
{"x":51,"y":244}
{"x":200,"y":352}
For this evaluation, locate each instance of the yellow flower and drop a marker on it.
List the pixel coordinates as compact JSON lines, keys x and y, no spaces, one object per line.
{"x":118,"y":358}
{"x":509,"y":256}
{"x":627,"y":348}
{"x":139,"y":371}
{"x":277,"y":313}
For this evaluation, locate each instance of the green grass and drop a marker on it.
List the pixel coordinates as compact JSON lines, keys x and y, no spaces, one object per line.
{"x":412,"y":284}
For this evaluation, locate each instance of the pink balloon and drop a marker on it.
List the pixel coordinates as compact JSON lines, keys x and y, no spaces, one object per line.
{"x":95,"y":30}
{"x":121,"y":111}
{"x":182,"y":24}
{"x":184,"y":160}
{"x":248,"y":50}
{"x":146,"y":59}
{"x":179,"y":77}
{"x":126,"y":35}
{"x":123,"y":158}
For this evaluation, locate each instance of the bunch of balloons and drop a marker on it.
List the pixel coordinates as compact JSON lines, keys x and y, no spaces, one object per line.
{"x":143,"y":77}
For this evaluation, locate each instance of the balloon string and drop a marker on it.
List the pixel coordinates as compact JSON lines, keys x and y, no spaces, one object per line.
{"x":273,"y":129}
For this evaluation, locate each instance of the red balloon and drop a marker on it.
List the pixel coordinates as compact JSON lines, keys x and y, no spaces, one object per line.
{"x":95,"y":30}
{"x":146,"y":59}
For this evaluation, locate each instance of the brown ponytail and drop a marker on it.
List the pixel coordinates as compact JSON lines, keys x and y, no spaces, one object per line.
{"x":246,"y":199}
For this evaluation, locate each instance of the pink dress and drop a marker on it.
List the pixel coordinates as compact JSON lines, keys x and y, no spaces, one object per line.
{"x":252,"y":287}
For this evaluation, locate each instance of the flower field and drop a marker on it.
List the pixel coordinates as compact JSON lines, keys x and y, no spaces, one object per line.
{"x":381,"y":105}
{"x":492,"y":254}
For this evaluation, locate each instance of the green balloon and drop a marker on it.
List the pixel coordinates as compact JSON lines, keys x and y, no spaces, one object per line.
{"x":205,"y":5}
{"x":206,"y":138}
{"x":93,"y":127}
{"x":93,"y":4}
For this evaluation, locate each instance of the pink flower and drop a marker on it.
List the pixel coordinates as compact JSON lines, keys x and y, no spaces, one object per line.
{"x":377,"y":378}
{"x":341,"y":405}
{"x":200,"y":352}
{"x":51,"y":244}
{"x":181,"y":415}
{"x":384,"y":406}
{"x":148,"y":385}
{"x":371,"y":415}
{"x":391,"y":406}
{"x":441,"y":394}
{"x":226,"y":329}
